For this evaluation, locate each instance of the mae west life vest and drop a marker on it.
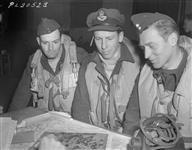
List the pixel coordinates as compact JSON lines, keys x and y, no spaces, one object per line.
{"x":177,"y":103}
{"x":55,"y":92}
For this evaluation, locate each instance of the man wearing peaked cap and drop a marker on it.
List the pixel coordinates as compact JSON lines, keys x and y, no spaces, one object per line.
{"x":106,"y":77}
{"x":164,"y":83}
{"x":49,"y":79}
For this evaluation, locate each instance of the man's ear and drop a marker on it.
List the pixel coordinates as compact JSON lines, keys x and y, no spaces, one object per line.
{"x":38,"y":40}
{"x":121,"y":36}
{"x":172,"y":39}
{"x":65,"y":39}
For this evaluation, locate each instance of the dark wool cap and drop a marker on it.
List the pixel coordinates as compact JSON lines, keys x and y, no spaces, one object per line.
{"x":144,"y":20}
{"x":106,"y":20}
{"x":47,"y":26}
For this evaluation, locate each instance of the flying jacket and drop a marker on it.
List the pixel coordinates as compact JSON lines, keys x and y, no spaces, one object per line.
{"x":177,"y":103}
{"x":88,"y":96}
{"x":37,"y":82}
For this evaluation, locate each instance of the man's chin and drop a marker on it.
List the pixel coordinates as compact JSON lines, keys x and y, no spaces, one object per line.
{"x":156,"y":66}
{"x":107,"y":57}
{"x":51,"y":56}
{"x":152,"y":65}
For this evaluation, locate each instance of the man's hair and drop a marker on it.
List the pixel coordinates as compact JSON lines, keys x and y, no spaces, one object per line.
{"x":166,"y":27}
{"x":120,"y":30}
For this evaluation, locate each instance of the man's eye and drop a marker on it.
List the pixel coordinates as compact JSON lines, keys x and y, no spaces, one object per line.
{"x":152,"y":47}
{"x":56,"y":42}
{"x":44,"y":43}
{"x":96,"y":38}
{"x":110,"y":38}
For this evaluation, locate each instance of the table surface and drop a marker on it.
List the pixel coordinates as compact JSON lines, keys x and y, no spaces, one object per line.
{"x":41,"y":121}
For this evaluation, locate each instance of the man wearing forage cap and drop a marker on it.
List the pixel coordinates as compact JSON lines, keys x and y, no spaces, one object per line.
{"x":107,"y":76}
{"x":164,"y":83}
{"x":49,"y":80}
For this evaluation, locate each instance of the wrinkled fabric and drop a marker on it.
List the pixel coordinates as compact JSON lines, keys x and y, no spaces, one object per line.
{"x":94,"y":88}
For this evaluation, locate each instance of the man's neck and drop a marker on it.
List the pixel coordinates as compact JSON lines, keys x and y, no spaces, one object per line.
{"x":113,"y":60}
{"x":174,"y":60}
{"x":109,"y":65}
{"x":53,"y":62}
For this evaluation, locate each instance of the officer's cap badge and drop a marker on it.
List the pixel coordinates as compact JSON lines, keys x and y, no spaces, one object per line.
{"x":101,"y":16}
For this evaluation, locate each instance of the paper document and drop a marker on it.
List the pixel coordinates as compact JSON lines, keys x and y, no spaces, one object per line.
{"x":7,"y":130}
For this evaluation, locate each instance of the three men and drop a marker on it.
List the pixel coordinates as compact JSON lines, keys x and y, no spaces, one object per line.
{"x":107,"y":76}
{"x":164,"y":83}
{"x":49,"y":80}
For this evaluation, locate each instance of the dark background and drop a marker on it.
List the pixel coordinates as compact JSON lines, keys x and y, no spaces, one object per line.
{"x":18,"y":28}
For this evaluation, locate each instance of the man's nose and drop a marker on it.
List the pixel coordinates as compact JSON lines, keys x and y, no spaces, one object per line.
{"x":147,"y":53}
{"x":103,"y":44}
{"x":50,"y":46}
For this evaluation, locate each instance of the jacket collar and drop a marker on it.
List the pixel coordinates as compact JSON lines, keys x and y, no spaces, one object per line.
{"x":184,"y":88}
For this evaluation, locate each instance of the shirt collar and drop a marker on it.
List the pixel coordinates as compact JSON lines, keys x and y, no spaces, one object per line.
{"x":170,"y":78}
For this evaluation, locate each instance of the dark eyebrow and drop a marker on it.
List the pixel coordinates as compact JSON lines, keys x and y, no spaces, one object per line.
{"x":44,"y":41}
{"x":111,"y":36}
{"x":150,"y":44}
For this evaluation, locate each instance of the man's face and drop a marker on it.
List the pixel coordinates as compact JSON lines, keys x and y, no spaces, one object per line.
{"x":108,"y":43}
{"x":50,"y":44}
{"x":156,"y":49}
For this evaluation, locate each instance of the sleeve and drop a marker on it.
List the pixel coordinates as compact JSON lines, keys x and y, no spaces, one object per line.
{"x":132,"y":113}
{"x":22,"y":93}
{"x":80,"y":105}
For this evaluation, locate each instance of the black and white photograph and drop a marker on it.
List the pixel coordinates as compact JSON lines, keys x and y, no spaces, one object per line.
{"x":117,"y":73}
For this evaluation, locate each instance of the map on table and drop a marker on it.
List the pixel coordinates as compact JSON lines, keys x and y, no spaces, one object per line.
{"x":77,"y":141}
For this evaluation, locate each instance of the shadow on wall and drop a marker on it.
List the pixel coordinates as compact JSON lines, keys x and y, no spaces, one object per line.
{"x":20,"y":45}
{"x":82,"y":37}
{"x":25,"y":45}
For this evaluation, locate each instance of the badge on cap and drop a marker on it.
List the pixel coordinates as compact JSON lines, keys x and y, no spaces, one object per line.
{"x":138,"y":26}
{"x":101,"y":16}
